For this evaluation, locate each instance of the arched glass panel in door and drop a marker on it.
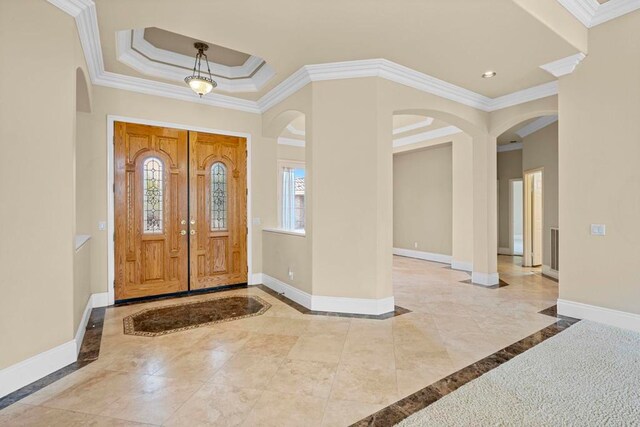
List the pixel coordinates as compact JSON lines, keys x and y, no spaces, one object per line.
{"x":218,"y":197}
{"x":152,"y":195}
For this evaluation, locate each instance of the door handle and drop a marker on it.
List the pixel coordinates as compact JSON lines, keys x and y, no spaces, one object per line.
{"x":192,"y":222}
{"x":183,"y":222}
{"x":192,"y":232}
{"x":183,"y":232}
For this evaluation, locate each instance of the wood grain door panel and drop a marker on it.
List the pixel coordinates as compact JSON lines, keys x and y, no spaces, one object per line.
{"x":150,"y":262}
{"x":218,"y":253}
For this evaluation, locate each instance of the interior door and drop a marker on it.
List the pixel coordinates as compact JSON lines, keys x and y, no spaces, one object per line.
{"x":151,"y":244}
{"x":533,"y":219}
{"x":218,"y":207}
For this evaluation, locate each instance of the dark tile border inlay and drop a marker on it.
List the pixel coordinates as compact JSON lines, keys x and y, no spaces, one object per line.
{"x":89,"y":352}
{"x":304,"y":310}
{"x":550,"y":311}
{"x":419,"y":400}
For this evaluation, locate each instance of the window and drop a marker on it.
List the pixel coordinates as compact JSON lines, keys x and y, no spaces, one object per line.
{"x":291,"y":192}
{"x":218,"y":197}
{"x":152,"y":191}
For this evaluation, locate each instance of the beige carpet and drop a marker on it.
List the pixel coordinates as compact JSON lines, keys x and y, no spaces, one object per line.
{"x":588,"y":375}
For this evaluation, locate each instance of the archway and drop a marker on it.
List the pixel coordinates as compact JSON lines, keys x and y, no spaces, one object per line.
{"x":527,"y":172}
{"x":432,"y":195}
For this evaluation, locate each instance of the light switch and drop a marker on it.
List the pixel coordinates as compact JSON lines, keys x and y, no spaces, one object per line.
{"x":102,"y":225}
{"x":598,"y":229}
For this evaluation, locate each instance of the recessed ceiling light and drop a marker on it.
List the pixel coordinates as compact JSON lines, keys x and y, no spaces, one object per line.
{"x":488,"y":74}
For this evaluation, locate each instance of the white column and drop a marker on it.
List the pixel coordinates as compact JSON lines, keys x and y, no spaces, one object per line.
{"x":485,"y":211}
{"x":462,"y":239}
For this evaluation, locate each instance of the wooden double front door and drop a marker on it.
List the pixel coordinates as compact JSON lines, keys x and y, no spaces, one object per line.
{"x":180,"y":210}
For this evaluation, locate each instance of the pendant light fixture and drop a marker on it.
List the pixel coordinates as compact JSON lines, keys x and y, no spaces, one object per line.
{"x":198,"y":82}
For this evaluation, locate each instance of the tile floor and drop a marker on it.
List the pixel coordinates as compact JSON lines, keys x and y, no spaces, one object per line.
{"x":286,"y":368}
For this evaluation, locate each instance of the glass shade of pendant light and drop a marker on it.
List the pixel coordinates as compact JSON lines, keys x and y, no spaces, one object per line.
{"x":198,"y":81}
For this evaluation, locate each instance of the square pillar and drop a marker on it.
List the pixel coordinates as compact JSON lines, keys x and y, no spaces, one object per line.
{"x":462,"y":239}
{"x":485,"y":211}
{"x":349,"y":164}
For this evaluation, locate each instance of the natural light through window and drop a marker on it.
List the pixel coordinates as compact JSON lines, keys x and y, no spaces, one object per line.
{"x":292,"y":190}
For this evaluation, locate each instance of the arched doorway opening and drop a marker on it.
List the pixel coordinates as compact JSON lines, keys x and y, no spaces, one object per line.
{"x":527,"y":172}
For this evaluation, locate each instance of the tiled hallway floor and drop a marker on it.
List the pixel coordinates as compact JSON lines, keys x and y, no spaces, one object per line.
{"x":286,"y":368}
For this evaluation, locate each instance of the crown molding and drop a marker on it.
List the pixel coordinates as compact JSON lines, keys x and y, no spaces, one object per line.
{"x":525,"y":95}
{"x":170,"y":71}
{"x":564,"y":66}
{"x":290,"y":141}
{"x":426,"y":136}
{"x":284,"y":89}
{"x":84,"y":12}
{"x":419,"y":125}
{"x":513,"y":146}
{"x":536,"y":125}
{"x":182,"y":93}
{"x":591,"y":13}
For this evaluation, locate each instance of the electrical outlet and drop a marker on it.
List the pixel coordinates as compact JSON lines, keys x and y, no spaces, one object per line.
{"x":598,"y":229}
{"x":102,"y":225}
{"x":256,"y":221}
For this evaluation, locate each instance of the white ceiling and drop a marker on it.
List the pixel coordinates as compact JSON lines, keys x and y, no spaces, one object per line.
{"x":455,"y":41}
{"x":435,"y":46}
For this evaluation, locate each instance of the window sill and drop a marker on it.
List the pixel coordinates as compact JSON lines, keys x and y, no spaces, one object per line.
{"x":284,"y":231}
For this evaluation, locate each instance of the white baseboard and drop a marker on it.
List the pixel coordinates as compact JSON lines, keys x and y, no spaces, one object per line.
{"x":82,"y":327}
{"x":287,"y":290}
{"x":32,"y":369}
{"x":428,"y":256}
{"x":256,"y":279}
{"x":332,"y":304}
{"x":485,"y":279}
{"x":461,"y":265}
{"x":504,"y":251}
{"x":620,"y":319}
{"x":100,"y":299}
{"x":547,"y":271}
{"x":353,"y":305}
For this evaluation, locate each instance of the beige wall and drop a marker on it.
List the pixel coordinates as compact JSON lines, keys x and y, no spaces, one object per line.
{"x":422,"y":200}
{"x":84,"y":193}
{"x":289,"y":152}
{"x":540,"y":150}
{"x":37,"y":216}
{"x":509,"y":167}
{"x":284,"y":253}
{"x":349,"y":154}
{"x":598,"y":170}
{"x":81,"y":282}
{"x":108,"y":101}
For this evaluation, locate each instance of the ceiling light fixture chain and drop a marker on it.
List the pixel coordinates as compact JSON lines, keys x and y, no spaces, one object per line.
{"x":200,"y":84}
